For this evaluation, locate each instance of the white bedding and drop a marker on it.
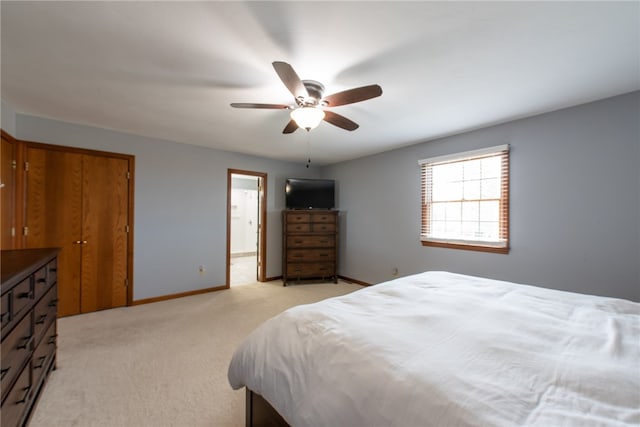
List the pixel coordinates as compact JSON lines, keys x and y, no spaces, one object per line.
{"x":442,"y":349}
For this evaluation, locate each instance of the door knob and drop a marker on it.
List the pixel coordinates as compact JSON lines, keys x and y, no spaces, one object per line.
{"x":77,"y":242}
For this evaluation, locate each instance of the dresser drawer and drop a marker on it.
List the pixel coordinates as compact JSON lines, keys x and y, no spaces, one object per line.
{"x":311,"y":241}
{"x":298,"y":228}
{"x":318,"y":269}
{"x":44,"y":354}
{"x":22,"y":298}
{"x":16,"y":348}
{"x":15,"y":405}
{"x":52,"y":272}
{"x":297,"y":217}
{"x":324,"y":228}
{"x":4,"y":312}
{"x":311,"y":255}
{"x":40,"y":284}
{"x":44,"y":313}
{"x":323,"y":217}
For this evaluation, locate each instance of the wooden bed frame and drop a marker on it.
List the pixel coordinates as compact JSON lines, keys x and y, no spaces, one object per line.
{"x":260,"y":413}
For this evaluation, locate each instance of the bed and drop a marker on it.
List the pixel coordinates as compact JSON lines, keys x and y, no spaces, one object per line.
{"x":444,"y":349}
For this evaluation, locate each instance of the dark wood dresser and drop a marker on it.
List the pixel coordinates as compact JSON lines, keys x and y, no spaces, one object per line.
{"x":309,"y":245}
{"x":29,"y":294}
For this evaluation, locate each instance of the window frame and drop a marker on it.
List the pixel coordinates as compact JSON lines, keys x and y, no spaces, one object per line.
{"x":502,"y":245}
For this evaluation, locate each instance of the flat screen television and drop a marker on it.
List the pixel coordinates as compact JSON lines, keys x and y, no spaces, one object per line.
{"x":303,"y":193}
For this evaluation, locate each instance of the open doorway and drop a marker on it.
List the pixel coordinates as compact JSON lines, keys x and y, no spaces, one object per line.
{"x":246,"y":227}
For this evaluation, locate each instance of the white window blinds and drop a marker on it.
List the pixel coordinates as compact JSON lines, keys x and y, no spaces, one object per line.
{"x":465,"y":200}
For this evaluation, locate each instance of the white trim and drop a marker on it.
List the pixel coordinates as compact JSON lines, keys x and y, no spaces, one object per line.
{"x":502,"y":243}
{"x":466,"y":154}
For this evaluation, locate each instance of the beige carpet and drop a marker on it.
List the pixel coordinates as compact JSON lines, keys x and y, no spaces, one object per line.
{"x":162,"y":364}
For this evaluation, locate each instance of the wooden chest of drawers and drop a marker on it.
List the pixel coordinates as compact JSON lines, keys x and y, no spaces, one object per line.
{"x":309,"y":245}
{"x":29,"y":294}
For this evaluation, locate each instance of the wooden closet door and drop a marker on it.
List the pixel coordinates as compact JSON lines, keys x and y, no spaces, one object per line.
{"x":104,"y":229}
{"x":8,"y":193}
{"x":54,"y":216}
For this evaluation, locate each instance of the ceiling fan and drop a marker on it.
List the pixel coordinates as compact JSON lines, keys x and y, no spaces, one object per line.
{"x":311,"y":104}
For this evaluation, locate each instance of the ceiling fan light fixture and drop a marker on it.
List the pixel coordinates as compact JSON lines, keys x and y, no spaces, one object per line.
{"x":307,"y":117}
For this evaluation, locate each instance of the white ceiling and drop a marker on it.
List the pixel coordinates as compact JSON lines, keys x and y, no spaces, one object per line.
{"x":170,"y":69}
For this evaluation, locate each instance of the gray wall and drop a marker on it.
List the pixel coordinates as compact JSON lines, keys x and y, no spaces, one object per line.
{"x":180,"y":203}
{"x":7,"y":119}
{"x":575,"y":204}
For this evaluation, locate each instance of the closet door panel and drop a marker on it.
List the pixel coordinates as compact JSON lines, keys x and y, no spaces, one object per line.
{"x":8,"y":192}
{"x":105,"y":212}
{"x":53,"y":216}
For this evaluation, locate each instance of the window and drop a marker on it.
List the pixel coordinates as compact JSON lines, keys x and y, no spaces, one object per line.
{"x":465,"y":200}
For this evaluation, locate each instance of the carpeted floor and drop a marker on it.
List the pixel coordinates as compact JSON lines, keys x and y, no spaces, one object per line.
{"x":162,"y":364}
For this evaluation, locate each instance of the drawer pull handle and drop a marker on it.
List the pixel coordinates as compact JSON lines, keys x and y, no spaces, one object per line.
{"x":41,"y":319}
{"x":26,"y":342}
{"x":4,"y":372}
{"x":23,"y":295}
{"x":53,"y":302}
{"x":53,"y":269}
{"x":41,"y":364}
{"x":52,"y":339}
{"x":298,"y":241}
{"x":41,"y":280}
{"x":27,"y":390}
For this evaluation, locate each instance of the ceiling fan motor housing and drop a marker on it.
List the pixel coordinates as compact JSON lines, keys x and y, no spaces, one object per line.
{"x":315,"y":90}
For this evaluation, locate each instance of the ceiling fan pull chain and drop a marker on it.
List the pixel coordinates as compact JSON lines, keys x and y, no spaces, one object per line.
{"x":308,"y":149}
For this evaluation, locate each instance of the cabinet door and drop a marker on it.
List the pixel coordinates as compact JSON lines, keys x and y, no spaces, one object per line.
{"x":53,"y":215}
{"x":8,"y":193}
{"x":105,"y":196}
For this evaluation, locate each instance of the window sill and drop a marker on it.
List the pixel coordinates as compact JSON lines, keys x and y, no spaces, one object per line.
{"x":466,"y":247}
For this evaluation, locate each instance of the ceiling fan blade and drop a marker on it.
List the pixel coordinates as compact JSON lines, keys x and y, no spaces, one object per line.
{"x":290,"y":79}
{"x":266,"y":106}
{"x":290,"y":127}
{"x":353,"y":95}
{"x":340,"y":121}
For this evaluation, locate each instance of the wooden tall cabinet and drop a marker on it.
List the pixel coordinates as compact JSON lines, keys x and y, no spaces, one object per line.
{"x":79,"y":201}
{"x":309,"y":245}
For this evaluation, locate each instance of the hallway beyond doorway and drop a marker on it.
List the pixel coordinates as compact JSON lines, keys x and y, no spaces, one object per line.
{"x":243,"y":270}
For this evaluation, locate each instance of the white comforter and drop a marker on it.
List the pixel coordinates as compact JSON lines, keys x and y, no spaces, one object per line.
{"x":442,"y":349}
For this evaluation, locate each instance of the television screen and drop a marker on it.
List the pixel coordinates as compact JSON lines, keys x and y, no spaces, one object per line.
{"x":310,"y":193}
